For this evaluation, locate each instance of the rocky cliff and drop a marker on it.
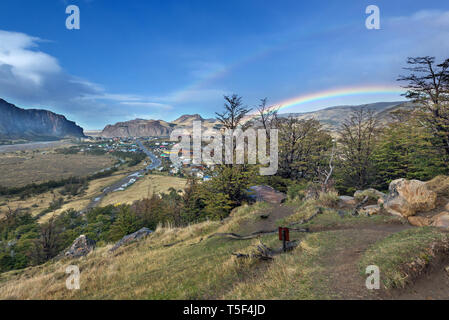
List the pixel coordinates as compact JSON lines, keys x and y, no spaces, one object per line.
{"x":154,"y":128}
{"x":33,"y":124}
{"x":138,"y":128}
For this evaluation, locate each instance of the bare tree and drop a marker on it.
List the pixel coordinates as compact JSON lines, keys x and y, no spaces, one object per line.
{"x":231,"y":119}
{"x":268,"y":116}
{"x":234,"y":112}
{"x":303,"y":143}
{"x":327,"y":173}
{"x":357,"y":141}
{"x":49,"y":240}
{"x":428,"y":86}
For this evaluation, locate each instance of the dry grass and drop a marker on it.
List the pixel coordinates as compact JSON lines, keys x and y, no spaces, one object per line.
{"x":403,"y":255}
{"x":143,"y":188}
{"x":37,"y":204}
{"x":34,"y":167}
{"x":196,"y":266}
{"x":81,"y":202}
{"x":328,"y":199}
{"x":297,"y":275}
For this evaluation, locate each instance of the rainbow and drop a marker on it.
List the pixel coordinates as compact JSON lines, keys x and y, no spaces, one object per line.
{"x":334,"y":93}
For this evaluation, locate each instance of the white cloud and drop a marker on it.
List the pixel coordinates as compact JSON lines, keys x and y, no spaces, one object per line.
{"x":433,"y":18}
{"x":34,"y":78}
{"x":24,"y":63}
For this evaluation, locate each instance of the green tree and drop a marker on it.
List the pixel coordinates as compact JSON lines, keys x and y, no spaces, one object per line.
{"x":126,"y":223}
{"x":428,"y":88}
{"x":303,"y":148}
{"x":405,"y":150}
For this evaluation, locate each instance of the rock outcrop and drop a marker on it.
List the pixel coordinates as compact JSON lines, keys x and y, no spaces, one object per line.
{"x":80,"y":247}
{"x":156,"y":128}
{"x":370,"y":210}
{"x":371,"y":193}
{"x":407,"y":197}
{"x":138,"y":128}
{"x":33,"y":124}
{"x":441,"y":220}
{"x":419,"y":221}
{"x":346,"y":202}
{"x":142,"y":233}
{"x":266,"y":194}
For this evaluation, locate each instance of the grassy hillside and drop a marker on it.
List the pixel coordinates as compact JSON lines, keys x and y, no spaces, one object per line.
{"x":143,"y":188}
{"x":191,"y":263}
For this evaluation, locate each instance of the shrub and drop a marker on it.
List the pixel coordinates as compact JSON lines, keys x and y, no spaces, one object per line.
{"x":328,"y":199}
{"x":372,"y":194}
{"x":296,"y":191}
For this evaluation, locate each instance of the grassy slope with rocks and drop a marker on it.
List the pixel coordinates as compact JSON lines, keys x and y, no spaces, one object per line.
{"x":186,"y":263}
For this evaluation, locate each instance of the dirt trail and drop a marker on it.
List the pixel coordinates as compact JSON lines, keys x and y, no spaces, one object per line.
{"x":345,"y":278}
{"x":346,"y":282}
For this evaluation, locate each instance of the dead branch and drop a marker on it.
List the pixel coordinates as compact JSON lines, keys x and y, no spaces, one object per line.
{"x":355,"y":212}
{"x":252,"y":235}
{"x":304,"y":221}
{"x":265,"y":253}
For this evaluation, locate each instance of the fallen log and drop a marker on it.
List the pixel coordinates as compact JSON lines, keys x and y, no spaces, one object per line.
{"x":304,"y":221}
{"x":252,"y":235}
{"x":355,"y":212}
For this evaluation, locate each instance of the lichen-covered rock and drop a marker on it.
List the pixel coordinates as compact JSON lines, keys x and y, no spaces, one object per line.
{"x":371,"y":193}
{"x":407,"y":197}
{"x":267,"y":194}
{"x":80,"y":247}
{"x":446,"y":207}
{"x":347,"y":202}
{"x":142,"y":233}
{"x":419,"y":221}
{"x":441,"y":220}
{"x":371,"y":210}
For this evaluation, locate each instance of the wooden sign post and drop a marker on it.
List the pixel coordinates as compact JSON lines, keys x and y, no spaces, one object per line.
{"x":284,"y":236}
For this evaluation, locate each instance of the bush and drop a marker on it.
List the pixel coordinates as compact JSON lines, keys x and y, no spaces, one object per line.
{"x":372,"y":194}
{"x":329,"y":199}
{"x":296,"y":191}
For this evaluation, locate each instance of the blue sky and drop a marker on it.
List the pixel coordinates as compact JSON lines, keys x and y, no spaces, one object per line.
{"x":162,"y":59}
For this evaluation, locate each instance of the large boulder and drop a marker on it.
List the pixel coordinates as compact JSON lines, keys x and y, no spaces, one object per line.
{"x":441,"y":220}
{"x":407,"y":197}
{"x":419,"y":221}
{"x":266,"y":194}
{"x":347,"y":202}
{"x":371,"y":193}
{"x":80,"y":247}
{"x":142,"y":233}
{"x":370,"y":210}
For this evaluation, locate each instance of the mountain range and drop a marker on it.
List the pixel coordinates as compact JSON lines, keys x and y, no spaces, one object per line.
{"x":331,"y":118}
{"x":34,"y":124}
{"x":154,"y":128}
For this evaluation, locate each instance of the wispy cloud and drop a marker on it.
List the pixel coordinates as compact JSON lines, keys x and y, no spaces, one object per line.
{"x":33,"y":78}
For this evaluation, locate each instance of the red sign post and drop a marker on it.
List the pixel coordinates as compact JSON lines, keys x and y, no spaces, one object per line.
{"x":284,"y":236}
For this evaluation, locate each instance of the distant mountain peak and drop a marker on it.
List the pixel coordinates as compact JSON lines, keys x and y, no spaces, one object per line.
{"x":188,"y":118}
